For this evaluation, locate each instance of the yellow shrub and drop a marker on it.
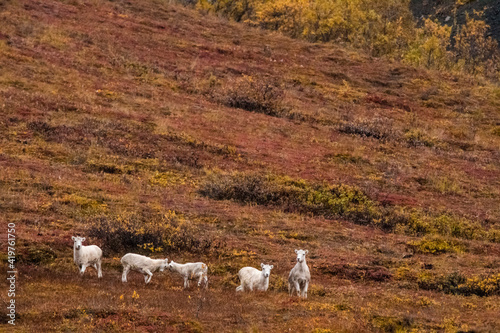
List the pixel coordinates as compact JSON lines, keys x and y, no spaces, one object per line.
{"x":430,"y":46}
{"x":437,"y":245}
{"x":425,"y":301}
{"x":478,"y":51}
{"x":281,"y":15}
{"x":169,"y":178}
{"x":384,"y":27}
{"x":404,"y":273}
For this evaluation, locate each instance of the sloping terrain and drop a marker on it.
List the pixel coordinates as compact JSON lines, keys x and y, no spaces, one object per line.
{"x":149,"y":127}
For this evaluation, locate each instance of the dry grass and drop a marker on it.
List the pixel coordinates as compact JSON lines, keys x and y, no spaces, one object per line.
{"x":123,"y":115}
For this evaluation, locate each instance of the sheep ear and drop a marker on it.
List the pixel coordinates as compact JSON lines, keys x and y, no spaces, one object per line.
{"x":83,"y":239}
{"x":307,"y":251}
{"x":296,"y":251}
{"x":272,"y":266}
{"x":73,"y":238}
{"x":261,"y":265}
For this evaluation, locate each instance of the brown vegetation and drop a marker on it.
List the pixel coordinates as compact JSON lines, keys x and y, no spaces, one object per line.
{"x":154,"y":128}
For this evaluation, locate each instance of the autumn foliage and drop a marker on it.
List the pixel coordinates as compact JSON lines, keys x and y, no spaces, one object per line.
{"x":384,"y":28}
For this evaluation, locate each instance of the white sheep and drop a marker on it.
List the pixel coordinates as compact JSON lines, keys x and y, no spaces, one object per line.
{"x":142,"y":264}
{"x":252,"y":279}
{"x":299,"y":278}
{"x":85,"y":256}
{"x":191,"y":271}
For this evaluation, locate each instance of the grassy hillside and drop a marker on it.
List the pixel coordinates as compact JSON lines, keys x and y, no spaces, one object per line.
{"x":149,"y":127}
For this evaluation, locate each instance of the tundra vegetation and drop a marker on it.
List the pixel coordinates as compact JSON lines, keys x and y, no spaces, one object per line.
{"x":168,"y":131}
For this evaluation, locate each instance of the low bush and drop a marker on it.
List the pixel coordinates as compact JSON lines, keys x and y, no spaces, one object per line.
{"x":317,"y":290}
{"x":38,"y":255}
{"x":335,"y":201}
{"x":481,"y":286}
{"x":292,"y":195}
{"x":436,"y":245}
{"x":170,"y":178}
{"x":255,"y":95}
{"x":278,"y":283}
{"x":378,"y":128}
{"x":82,"y":206}
{"x":405,"y":273}
{"x":456,"y":283}
{"x":392,"y":324}
{"x":345,"y":158}
{"x":104,"y":167}
{"x":153,"y":232}
{"x":416,"y":137}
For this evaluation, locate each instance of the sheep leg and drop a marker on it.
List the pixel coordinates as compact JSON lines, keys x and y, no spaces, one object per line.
{"x":205,"y":278}
{"x":83,"y":267}
{"x":304,"y":291}
{"x":240,"y":288}
{"x":200,"y":279}
{"x":147,"y":276}
{"x":99,"y":269}
{"x":125,"y":273}
{"x":290,"y":289}
{"x":297,"y":287}
{"x":186,"y":282}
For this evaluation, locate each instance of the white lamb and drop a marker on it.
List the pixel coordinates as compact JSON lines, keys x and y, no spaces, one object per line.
{"x":191,"y":271}
{"x":142,"y":264}
{"x":85,"y":256}
{"x":252,"y":279}
{"x":299,"y":277}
